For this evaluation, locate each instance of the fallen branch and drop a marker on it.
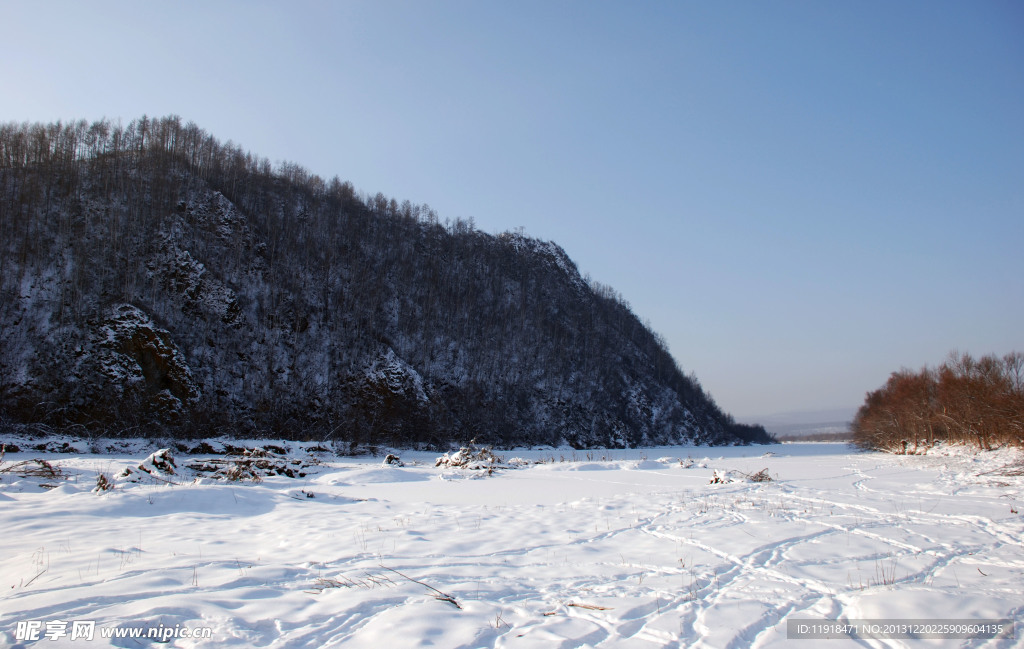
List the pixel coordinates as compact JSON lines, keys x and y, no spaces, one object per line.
{"x":589,"y":607}
{"x":1014,"y":469}
{"x":29,"y":582}
{"x":33,"y":469}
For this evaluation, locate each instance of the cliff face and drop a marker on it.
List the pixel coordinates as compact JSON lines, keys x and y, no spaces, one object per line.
{"x":165,"y":283}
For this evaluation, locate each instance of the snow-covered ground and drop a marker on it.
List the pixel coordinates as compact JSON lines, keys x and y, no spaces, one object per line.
{"x":604,"y":549}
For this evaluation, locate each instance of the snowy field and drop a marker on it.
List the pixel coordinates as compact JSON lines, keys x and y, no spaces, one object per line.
{"x":584,"y":549}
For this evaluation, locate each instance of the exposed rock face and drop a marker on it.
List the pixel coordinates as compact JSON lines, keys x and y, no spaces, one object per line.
{"x":199,"y":290}
{"x":389,"y":374}
{"x":139,"y":359}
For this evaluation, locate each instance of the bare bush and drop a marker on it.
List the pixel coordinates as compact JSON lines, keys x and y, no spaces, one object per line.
{"x":760,"y":476}
{"x":471,"y":457}
{"x":36,"y":468}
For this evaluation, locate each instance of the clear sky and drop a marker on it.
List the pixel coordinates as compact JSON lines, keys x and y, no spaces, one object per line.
{"x":800,"y":196}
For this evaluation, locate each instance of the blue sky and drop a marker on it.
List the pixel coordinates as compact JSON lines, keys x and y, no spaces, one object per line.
{"x":801,"y":197}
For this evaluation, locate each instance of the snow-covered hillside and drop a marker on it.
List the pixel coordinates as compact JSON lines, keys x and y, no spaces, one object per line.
{"x":160,"y":282}
{"x":566,"y":549}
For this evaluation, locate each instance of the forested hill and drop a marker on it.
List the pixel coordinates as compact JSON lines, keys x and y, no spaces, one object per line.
{"x":154,"y":281}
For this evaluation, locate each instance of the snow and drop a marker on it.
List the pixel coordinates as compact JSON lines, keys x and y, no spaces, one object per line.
{"x":560,"y":548}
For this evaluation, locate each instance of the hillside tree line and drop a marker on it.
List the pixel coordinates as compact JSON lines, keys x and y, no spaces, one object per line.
{"x":972,"y":401}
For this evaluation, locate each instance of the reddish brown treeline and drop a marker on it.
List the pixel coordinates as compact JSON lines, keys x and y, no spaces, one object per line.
{"x":978,"y":402}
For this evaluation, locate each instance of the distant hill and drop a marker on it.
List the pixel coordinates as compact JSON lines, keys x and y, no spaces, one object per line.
{"x":158,"y":282}
{"x":807,"y":422}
